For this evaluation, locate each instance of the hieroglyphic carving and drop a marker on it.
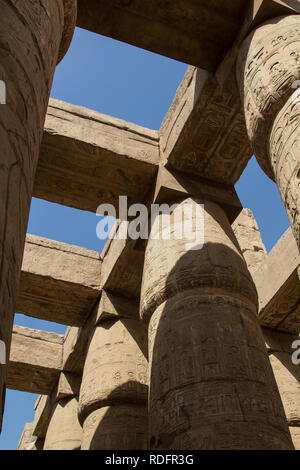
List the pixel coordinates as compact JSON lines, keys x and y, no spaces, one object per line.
{"x":285,"y":158}
{"x":119,"y":427}
{"x":268,"y":67}
{"x":58,"y":282}
{"x":211,"y":383}
{"x":115,"y":373}
{"x":248,"y":236}
{"x":204,"y":131}
{"x":88,"y":158}
{"x":156,"y":288}
{"x":30,"y":37}
{"x":268,"y":64}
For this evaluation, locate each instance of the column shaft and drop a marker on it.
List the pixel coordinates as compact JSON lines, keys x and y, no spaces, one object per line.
{"x":268,"y":74}
{"x":211,"y":383}
{"x":287,"y":375}
{"x":64,"y":431}
{"x":113,"y":395}
{"x":33,"y":36}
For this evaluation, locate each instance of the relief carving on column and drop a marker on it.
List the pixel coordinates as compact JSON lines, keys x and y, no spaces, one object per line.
{"x":31,"y":34}
{"x":267,"y":67}
{"x":285,"y":158}
{"x":211,"y":383}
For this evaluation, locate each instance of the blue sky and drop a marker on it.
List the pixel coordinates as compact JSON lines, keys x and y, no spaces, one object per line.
{"x":138,"y":86}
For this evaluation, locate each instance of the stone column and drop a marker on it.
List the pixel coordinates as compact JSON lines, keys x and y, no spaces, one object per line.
{"x":28,"y":441}
{"x":113,"y":395}
{"x":287,"y":375}
{"x":64,"y":431}
{"x":268,"y":75}
{"x":211,"y":383}
{"x":34,"y":36}
{"x":247,"y":233}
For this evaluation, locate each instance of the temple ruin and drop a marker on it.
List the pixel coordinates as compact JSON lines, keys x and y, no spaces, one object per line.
{"x":166,"y":348}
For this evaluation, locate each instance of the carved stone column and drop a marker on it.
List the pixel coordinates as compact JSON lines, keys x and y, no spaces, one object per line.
{"x":268,"y":74}
{"x":64,"y":431}
{"x":113,"y":395}
{"x":287,"y":375}
{"x":34,"y":36}
{"x":211,"y":383}
{"x":28,"y":441}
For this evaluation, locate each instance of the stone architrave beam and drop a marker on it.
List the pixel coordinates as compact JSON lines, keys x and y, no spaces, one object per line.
{"x":88,"y":158}
{"x":59,"y":282}
{"x":278,"y":286}
{"x":197,"y":33}
{"x":35,"y":360}
{"x":204,"y":131}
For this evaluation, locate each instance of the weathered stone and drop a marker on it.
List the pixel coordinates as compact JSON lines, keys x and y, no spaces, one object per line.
{"x":64,"y":431}
{"x":70,"y":18}
{"x":116,"y":366}
{"x":88,"y":158}
{"x":278,"y":286}
{"x":255,"y":13}
{"x":28,"y":441}
{"x":122,"y":266}
{"x":171,"y":185}
{"x":248,"y":236}
{"x":204,"y":131}
{"x":114,"y":307}
{"x":59,"y":282}
{"x":121,"y":427}
{"x":284,"y":156}
{"x":43,"y":408}
{"x":276,"y":341}
{"x":196,"y":33}
{"x":268,"y":73}
{"x":266,"y":70}
{"x":115,"y":374}
{"x":209,"y":368}
{"x":31,"y":43}
{"x":35,"y":360}
{"x":287,"y":376}
{"x":295,"y":433}
{"x":68,"y":385}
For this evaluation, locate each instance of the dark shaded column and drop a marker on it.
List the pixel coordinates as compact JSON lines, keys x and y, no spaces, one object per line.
{"x":211,"y":382}
{"x":34,"y":35}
